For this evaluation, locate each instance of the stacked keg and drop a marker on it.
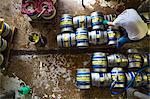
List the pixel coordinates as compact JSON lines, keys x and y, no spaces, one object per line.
{"x":88,"y":30}
{"x":66,"y":38}
{"x":5,"y":31}
{"x":118,"y":77}
{"x":81,"y":25}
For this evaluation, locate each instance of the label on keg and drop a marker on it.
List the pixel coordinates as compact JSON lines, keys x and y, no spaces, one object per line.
{"x":111,"y":34}
{"x":81,"y":37}
{"x":66,"y":22}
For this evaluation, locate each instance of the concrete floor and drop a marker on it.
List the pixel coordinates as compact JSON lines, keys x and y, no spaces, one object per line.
{"x":54,"y":74}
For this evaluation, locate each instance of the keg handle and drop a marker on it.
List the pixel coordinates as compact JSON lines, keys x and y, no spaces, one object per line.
{"x":45,"y":7}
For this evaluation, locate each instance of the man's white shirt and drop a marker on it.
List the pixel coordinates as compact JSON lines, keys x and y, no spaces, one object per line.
{"x":130,"y":20}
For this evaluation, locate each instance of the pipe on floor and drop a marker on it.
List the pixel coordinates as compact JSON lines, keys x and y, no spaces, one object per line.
{"x":133,"y":92}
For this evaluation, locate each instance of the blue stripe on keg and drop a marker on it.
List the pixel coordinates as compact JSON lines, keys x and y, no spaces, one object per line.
{"x":78,"y":73}
{"x":119,"y":82}
{"x":81,"y":33}
{"x":4,"y":28}
{"x":99,"y":66}
{"x":117,"y":72}
{"x":132,"y":75}
{"x":134,"y":61}
{"x":83,"y":82}
{"x":66,"y":18}
{"x":112,"y":38}
{"x":65,"y":26}
{"x":101,"y":74}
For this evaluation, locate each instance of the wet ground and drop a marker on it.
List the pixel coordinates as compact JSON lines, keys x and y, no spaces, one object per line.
{"x":54,"y":74}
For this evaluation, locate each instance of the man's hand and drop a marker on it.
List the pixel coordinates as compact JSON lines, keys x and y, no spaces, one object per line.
{"x":105,"y":22}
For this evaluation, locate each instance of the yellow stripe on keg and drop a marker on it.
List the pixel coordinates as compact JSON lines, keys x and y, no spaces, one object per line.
{"x":111,"y":34}
{"x":118,"y":60}
{"x":120,"y":76}
{"x":96,"y":19}
{"x":102,"y":79}
{"x":137,"y":56}
{"x":83,"y":78}
{"x":98,"y":36}
{"x":99,"y":62}
{"x":2,"y":25}
{"x":65,"y":22}
{"x":81,"y":37}
{"x":124,"y":60}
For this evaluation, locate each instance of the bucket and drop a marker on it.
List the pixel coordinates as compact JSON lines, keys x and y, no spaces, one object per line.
{"x":82,"y":22}
{"x":66,"y":40}
{"x":117,"y":60}
{"x":118,"y":77}
{"x":50,"y":11}
{"x":82,"y":38}
{"x":97,"y":21}
{"x":112,"y":37}
{"x":101,"y":79}
{"x":98,"y":37}
{"x":66,"y":23}
{"x":83,"y":78}
{"x":1,"y":59}
{"x":29,"y":8}
{"x":99,"y":62}
{"x":3,"y":44}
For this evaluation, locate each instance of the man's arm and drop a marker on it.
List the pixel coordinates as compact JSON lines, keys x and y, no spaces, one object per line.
{"x":106,"y":22}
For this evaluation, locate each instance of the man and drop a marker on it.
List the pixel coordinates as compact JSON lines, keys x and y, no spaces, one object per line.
{"x":130,"y":20}
{"x":24,"y":90}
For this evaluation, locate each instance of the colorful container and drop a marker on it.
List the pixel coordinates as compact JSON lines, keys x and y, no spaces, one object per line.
{"x":98,"y":37}
{"x":101,"y":79}
{"x":66,"y":23}
{"x":82,"y":22}
{"x":83,"y":78}
{"x":99,"y":62}
{"x":82,"y":38}
{"x":118,"y":77}
{"x":97,"y":21}
{"x":66,"y":39}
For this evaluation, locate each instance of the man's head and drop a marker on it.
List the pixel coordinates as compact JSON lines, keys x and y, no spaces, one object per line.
{"x":119,"y":8}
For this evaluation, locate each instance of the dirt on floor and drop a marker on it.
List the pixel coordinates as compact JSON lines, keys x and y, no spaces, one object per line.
{"x":54,"y":74}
